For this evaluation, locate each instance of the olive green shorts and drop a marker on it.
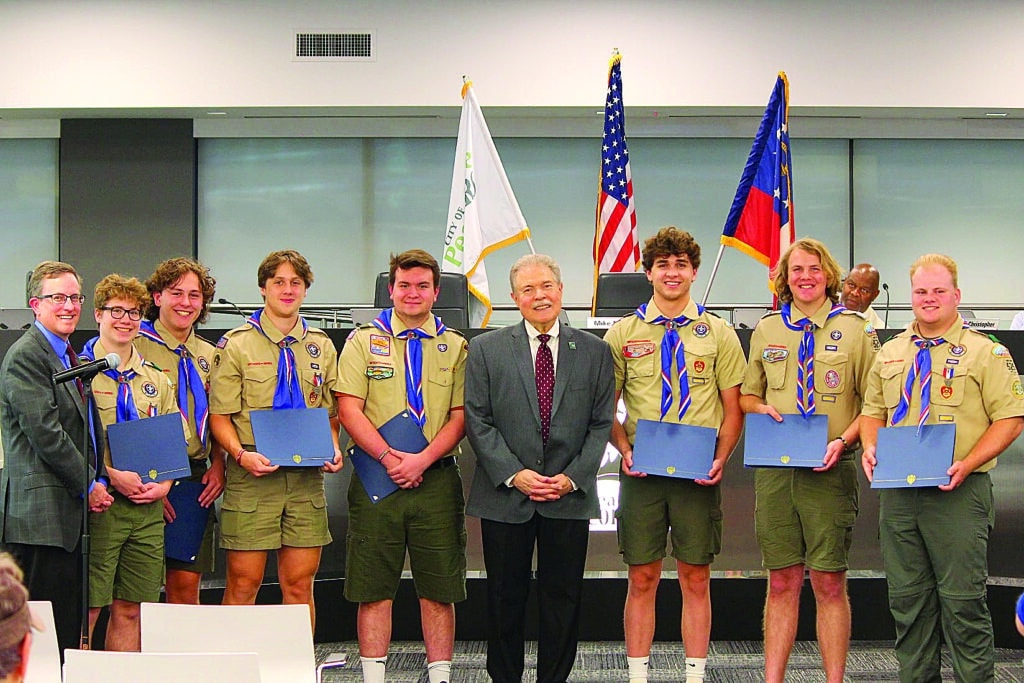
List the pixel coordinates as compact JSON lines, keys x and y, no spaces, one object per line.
{"x":284,"y":508}
{"x":806,"y":517}
{"x":429,"y":520}
{"x":652,"y":509}
{"x":126,"y":558}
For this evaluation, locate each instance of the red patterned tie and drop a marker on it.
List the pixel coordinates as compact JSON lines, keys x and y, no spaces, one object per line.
{"x":72,"y":362}
{"x":545,"y":371}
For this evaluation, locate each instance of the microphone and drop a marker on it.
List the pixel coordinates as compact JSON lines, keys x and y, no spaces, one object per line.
{"x":233,"y":305}
{"x":885,"y":286}
{"x":88,"y":370}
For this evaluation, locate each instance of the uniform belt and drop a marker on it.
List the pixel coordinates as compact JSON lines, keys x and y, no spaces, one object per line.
{"x":443,"y":463}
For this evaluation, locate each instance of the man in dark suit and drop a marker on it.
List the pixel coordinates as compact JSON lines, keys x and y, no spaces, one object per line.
{"x":539,"y":409}
{"x":44,"y":428}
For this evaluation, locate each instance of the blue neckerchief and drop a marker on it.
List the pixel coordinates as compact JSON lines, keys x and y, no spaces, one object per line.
{"x":672,"y":347}
{"x":126,"y":409}
{"x":189,"y":382}
{"x":413,"y":360}
{"x":805,"y":356}
{"x":288,"y":393}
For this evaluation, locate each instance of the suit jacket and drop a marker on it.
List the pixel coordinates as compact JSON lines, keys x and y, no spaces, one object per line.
{"x":43,"y":429}
{"x":503,"y":422}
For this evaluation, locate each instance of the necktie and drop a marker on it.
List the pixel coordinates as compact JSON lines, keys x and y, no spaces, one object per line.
{"x":288,"y":392}
{"x":672,"y":348}
{"x":413,"y":361}
{"x":72,"y":359}
{"x":805,"y":357}
{"x":545,"y":377}
{"x":189,"y":382}
{"x":922,"y":368}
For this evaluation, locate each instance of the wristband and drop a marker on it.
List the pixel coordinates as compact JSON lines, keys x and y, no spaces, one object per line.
{"x":238,"y":455}
{"x":845,"y":445}
{"x":383,"y":454}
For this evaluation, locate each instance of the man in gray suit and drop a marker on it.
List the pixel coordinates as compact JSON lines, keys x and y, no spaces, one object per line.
{"x":44,"y":427}
{"x":539,"y":408}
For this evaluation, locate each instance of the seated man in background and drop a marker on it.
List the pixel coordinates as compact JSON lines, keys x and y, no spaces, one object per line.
{"x":15,"y":622}
{"x":860,"y":289}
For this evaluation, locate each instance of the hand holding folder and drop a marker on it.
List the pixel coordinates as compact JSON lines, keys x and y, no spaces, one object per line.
{"x":401,"y":433}
{"x":152,"y":447}
{"x":794,"y":442}
{"x":293,"y":437}
{"x":669,"y":449}
{"x":907,"y":458}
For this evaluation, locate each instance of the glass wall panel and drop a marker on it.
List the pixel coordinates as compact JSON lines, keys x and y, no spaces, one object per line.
{"x":28,"y":212}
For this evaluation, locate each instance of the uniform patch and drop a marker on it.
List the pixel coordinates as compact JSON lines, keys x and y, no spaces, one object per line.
{"x":952,"y":361}
{"x":222,"y":342}
{"x":149,"y":389}
{"x":313,"y":350}
{"x":203,"y":363}
{"x":1018,"y":390}
{"x":313,"y":396}
{"x":380,"y":372}
{"x":380,"y":345}
{"x":637,"y":349}
{"x":773,"y":354}
{"x":698,"y":366}
{"x":314,"y":366}
{"x":1000,"y":350}
{"x":945,"y":391}
{"x":869,"y":328}
{"x":1011,"y":366}
{"x":832,"y":379}
{"x":701,"y":329}
{"x":958,"y":350}
{"x":216,"y":360}
{"x":831,"y":347}
{"x":442,"y":347}
{"x":350,"y":335}
{"x":836,"y":335}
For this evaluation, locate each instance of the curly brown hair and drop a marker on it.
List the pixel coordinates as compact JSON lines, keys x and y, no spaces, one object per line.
{"x":116,"y":286}
{"x":671,"y":241}
{"x":169,"y":272}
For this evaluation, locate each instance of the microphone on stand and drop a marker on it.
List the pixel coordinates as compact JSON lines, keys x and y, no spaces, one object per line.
{"x":885,"y":286}
{"x":86,"y":370}
{"x":233,"y":305}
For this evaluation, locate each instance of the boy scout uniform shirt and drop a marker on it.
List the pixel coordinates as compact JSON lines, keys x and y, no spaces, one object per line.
{"x":844,"y":349}
{"x":150,"y":389}
{"x":244,"y":374}
{"x":974,"y":383}
{"x":372,"y":367}
{"x":164,"y":358}
{"x":714,"y":362}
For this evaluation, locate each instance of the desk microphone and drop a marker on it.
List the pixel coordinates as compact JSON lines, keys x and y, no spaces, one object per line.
{"x":885,"y":286}
{"x":233,"y":305}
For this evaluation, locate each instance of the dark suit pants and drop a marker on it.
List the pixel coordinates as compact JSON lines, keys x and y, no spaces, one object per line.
{"x":55,"y":574}
{"x":508,"y":556}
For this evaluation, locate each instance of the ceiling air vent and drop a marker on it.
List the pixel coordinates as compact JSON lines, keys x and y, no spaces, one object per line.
{"x":356,"y":46}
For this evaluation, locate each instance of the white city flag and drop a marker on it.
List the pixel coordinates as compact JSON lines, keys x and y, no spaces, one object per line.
{"x":483,"y":215}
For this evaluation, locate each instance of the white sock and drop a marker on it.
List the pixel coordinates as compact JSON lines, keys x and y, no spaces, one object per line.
{"x":695,"y":669}
{"x":373,"y":668}
{"x":439,"y":671}
{"x":638,"y":668}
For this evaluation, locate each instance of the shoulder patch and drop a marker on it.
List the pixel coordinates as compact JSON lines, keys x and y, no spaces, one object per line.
{"x":222,"y":342}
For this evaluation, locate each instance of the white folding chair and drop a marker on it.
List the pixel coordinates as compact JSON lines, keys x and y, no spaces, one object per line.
{"x":44,"y":654}
{"x":96,"y":666}
{"x":280,"y":634}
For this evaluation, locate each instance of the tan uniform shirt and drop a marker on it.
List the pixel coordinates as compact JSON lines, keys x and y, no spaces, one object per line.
{"x":150,"y":390}
{"x":844,"y":349}
{"x":714,"y":361}
{"x":165,"y":359}
{"x":872,"y":317}
{"x":244,"y":374}
{"x":372,"y":367}
{"x":974,"y":382}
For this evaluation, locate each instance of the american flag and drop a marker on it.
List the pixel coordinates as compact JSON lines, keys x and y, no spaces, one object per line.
{"x":616,"y":245}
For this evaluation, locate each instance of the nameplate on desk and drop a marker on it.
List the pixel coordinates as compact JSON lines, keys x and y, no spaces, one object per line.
{"x":669,"y":449}
{"x":908,"y":459}
{"x":794,"y":442}
{"x":982,"y":323}
{"x":293,"y":437}
{"x":601,"y":322}
{"x":152,"y":447}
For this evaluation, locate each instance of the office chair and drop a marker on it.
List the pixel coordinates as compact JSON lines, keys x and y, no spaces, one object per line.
{"x":620,"y":293}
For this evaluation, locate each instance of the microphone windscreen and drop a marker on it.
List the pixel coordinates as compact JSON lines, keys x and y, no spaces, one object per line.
{"x":224,"y":301}
{"x":113,"y":361}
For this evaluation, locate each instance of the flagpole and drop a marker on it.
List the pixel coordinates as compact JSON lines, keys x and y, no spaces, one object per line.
{"x":714,"y":270}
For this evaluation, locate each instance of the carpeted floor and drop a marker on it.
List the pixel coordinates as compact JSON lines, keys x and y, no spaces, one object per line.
{"x":599,"y":662}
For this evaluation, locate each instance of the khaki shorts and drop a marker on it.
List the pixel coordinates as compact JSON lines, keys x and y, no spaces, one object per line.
{"x":806,"y":517}
{"x":429,"y":520}
{"x":126,"y":559}
{"x":654,"y":508}
{"x":285,"y":508}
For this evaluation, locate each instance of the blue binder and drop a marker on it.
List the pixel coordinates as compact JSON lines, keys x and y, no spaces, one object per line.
{"x":668,"y":449}
{"x":153,"y":447}
{"x":293,"y":437}
{"x":794,"y":442}
{"x":184,"y":536}
{"x":906,"y":460}
{"x":400,"y":432}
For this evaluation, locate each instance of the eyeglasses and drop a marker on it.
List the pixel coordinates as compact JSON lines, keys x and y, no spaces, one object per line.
{"x":61,"y":299}
{"x":116,"y":312}
{"x":864,"y":291}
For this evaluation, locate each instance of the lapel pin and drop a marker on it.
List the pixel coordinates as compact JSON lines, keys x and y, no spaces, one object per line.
{"x":572,"y":345}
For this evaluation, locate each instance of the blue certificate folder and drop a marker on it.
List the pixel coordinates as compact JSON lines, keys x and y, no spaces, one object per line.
{"x":184,"y":536}
{"x":668,"y":449}
{"x":794,"y":442}
{"x":154,"y":447}
{"x":906,"y":460}
{"x":401,"y":433}
{"x":293,"y":437}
